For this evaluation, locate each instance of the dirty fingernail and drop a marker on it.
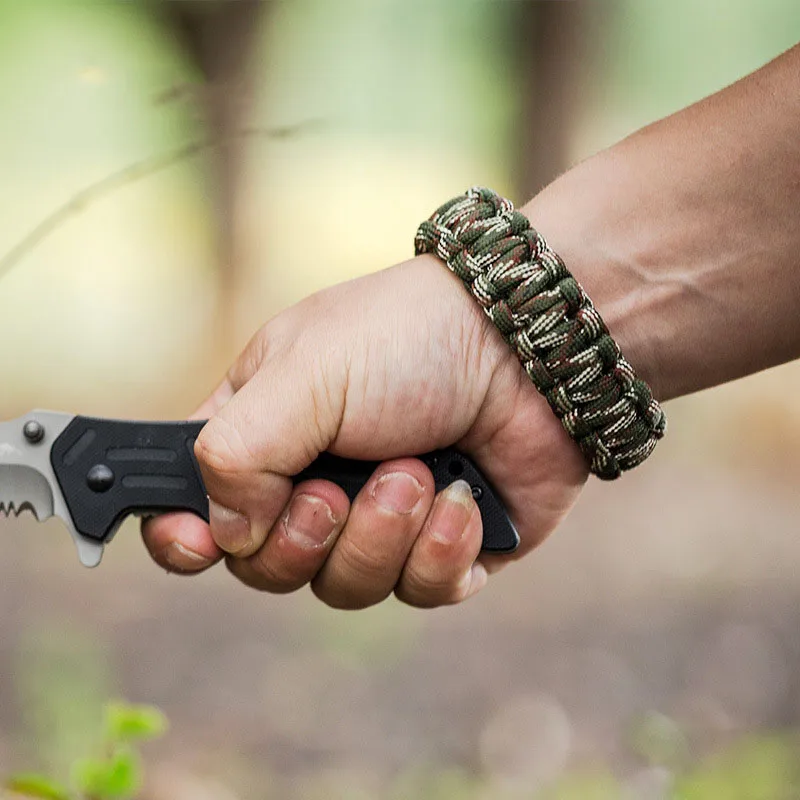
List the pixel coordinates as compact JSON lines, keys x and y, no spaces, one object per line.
{"x":230,"y":529}
{"x":452,"y":512}
{"x":309,"y":521}
{"x":398,"y":492}
{"x":184,"y":559}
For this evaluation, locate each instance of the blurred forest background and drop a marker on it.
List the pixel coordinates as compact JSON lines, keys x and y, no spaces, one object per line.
{"x":173,"y":174}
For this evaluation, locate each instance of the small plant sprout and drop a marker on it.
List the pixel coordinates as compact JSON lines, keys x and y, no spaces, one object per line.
{"x":116,"y":774}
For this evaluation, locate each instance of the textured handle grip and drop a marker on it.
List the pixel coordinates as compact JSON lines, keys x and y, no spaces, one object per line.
{"x":108,"y":469}
{"x":499,"y":534}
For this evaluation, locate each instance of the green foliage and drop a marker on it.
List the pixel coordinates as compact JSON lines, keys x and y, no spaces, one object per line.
{"x":755,"y":768}
{"x":37,"y":786}
{"x":126,"y":723}
{"x":114,"y":775}
{"x":62,"y":678}
{"x":119,"y":775}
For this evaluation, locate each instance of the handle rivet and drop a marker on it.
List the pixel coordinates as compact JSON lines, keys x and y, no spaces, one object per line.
{"x":477,"y":492}
{"x":455,"y":467}
{"x":100,"y":478}
{"x":33,"y":431}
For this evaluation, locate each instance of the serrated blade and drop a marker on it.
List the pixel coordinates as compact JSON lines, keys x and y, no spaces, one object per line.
{"x":24,"y":489}
{"x":27,"y":480}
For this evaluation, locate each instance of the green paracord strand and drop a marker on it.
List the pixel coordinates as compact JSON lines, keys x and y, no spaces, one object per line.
{"x":547,"y":319}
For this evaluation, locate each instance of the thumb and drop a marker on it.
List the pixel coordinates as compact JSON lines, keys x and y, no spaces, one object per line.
{"x":276,"y":424}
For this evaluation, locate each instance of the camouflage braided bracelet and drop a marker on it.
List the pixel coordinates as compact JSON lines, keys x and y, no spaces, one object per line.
{"x":547,"y":319}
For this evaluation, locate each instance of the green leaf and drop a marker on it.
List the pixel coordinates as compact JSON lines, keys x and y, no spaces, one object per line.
{"x":36,"y":786}
{"x":119,"y":777}
{"x":127,"y":723}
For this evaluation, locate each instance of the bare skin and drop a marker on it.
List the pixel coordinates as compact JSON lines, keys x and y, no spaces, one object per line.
{"x":686,"y":236}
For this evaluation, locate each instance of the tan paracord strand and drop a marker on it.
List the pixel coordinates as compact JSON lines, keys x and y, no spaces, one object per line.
{"x":547,"y":319}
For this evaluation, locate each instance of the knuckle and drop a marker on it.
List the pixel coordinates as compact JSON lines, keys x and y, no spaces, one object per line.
{"x":411,"y":598}
{"x":345,"y":599}
{"x":261,"y":346}
{"x":365,"y":565}
{"x":424,"y":590}
{"x":257,"y":350}
{"x":360,"y":578}
{"x":328,"y":390}
{"x":219,"y":448}
{"x":277,"y":577}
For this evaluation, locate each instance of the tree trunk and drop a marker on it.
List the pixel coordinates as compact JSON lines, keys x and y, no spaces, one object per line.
{"x":219,"y":37}
{"x":554,"y":41}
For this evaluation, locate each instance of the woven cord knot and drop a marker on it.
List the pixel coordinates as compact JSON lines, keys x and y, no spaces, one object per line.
{"x":547,"y":319}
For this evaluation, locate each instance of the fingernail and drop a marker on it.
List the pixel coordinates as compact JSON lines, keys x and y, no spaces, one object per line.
{"x":309,"y":521}
{"x":452,"y":512}
{"x":398,"y":492}
{"x":477,"y":578}
{"x":182,"y":558}
{"x":230,"y":529}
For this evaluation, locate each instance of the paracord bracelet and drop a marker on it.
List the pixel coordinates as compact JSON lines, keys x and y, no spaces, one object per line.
{"x":547,"y":319}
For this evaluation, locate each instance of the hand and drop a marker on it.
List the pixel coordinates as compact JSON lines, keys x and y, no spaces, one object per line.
{"x":399,"y":362}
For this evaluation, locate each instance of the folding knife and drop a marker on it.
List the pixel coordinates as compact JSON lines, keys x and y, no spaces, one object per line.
{"x":92,"y":473}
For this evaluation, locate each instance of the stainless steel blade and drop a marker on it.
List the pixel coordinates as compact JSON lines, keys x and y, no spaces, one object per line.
{"x":24,"y":489}
{"x":27,"y":480}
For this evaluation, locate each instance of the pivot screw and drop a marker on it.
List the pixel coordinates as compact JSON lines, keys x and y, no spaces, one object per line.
{"x":33,"y":431}
{"x":100,"y":478}
{"x":477,"y":492}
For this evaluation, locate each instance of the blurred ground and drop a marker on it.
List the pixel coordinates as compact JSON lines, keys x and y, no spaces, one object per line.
{"x":673,"y":592}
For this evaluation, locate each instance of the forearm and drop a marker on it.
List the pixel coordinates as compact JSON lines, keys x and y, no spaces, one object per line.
{"x":686,"y":235}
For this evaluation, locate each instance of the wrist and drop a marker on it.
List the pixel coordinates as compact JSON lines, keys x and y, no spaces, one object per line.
{"x":550,"y":324}
{"x":590,"y":224}
{"x":685,"y":235}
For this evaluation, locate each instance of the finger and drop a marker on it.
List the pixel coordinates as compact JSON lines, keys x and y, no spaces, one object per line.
{"x":244,"y":496}
{"x":441,"y":568}
{"x":180,"y":543}
{"x":384,"y":521}
{"x":272,"y":427}
{"x":215,"y":402}
{"x":299,"y":542}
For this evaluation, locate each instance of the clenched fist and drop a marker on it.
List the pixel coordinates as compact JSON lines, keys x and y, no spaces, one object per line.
{"x":694,"y":271}
{"x":383,"y":367}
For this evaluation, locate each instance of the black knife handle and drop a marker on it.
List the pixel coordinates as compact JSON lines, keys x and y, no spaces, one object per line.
{"x":108,"y":469}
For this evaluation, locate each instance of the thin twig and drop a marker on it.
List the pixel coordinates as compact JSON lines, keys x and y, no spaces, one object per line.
{"x":85,"y":197}
{"x":124,"y":177}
